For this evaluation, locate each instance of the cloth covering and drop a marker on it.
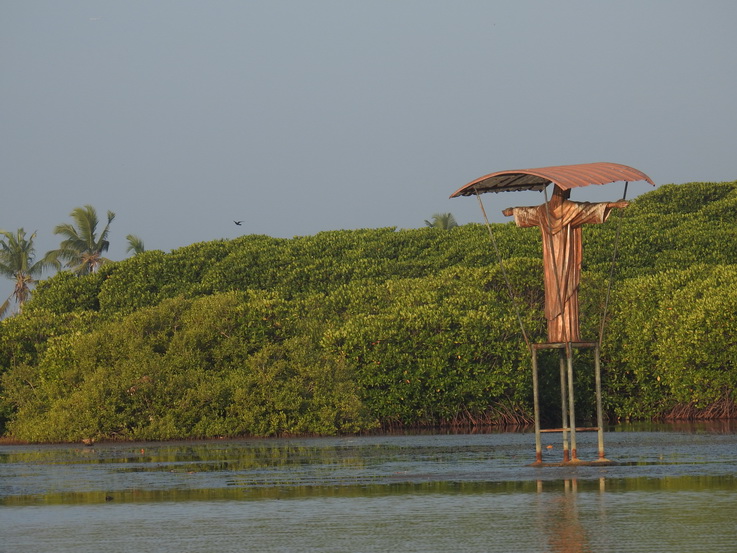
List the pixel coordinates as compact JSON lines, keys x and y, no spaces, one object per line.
{"x":560,"y":225}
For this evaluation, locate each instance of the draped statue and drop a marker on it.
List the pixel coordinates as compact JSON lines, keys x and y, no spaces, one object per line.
{"x":560,"y":221}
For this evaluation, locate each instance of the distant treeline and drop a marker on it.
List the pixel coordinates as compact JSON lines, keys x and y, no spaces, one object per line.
{"x":348,"y":331}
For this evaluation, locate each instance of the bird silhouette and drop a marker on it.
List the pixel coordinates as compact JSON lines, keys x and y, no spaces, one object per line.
{"x":238,"y":222}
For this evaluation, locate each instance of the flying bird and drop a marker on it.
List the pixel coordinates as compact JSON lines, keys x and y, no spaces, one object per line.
{"x":238,"y":222}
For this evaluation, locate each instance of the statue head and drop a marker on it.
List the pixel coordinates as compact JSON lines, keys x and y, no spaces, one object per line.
{"x":559,"y":195}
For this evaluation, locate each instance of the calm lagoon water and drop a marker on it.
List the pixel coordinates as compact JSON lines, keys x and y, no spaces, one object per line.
{"x":674,"y":489}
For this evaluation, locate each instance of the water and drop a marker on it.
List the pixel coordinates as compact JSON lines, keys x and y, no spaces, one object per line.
{"x":674,"y":490}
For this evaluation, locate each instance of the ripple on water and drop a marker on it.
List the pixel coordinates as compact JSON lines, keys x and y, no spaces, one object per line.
{"x":673,"y":491}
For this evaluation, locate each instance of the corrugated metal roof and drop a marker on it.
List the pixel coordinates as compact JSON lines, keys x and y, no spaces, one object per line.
{"x":565,"y":176}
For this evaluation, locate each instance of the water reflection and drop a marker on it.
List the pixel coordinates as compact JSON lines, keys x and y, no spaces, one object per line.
{"x":563,"y":528}
{"x":461,"y":493}
{"x":559,"y":517}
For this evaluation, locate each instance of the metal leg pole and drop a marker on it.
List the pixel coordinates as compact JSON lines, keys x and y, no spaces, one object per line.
{"x":536,"y":405}
{"x":571,"y":403}
{"x":599,"y":414}
{"x":563,"y":404}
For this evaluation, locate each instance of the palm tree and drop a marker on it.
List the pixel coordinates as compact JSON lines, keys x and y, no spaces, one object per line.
{"x":443,"y":221}
{"x":16,"y":262}
{"x":135,"y":244}
{"x":81,"y":248}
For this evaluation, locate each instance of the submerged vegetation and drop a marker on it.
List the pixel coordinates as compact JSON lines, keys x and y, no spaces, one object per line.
{"x":346,"y":331}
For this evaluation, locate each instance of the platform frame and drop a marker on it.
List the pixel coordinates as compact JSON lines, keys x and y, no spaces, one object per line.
{"x":568,"y":420}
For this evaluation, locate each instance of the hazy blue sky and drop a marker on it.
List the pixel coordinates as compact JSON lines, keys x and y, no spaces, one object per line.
{"x":299,"y":117}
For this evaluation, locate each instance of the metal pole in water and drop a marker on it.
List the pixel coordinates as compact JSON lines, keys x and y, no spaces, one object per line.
{"x":564,"y":408}
{"x":599,"y":414}
{"x":536,"y":405}
{"x":571,"y":408}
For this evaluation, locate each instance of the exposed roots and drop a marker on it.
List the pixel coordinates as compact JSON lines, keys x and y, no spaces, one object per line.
{"x":497,"y":415}
{"x":721,"y":409}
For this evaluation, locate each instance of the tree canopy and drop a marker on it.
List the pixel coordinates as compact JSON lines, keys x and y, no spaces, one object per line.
{"x":346,"y":331}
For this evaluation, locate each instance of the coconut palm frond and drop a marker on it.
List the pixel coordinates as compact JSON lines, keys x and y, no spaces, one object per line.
{"x":17,"y":254}
{"x":5,"y":307}
{"x":82,"y":248}
{"x":443,"y":221}
{"x":135,"y":244}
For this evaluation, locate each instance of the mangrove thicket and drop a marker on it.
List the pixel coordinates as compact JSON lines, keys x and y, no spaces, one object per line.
{"x":352,"y":330}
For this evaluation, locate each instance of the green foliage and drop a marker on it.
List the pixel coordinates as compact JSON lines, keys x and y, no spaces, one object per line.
{"x":683,"y":199}
{"x":436,"y":349}
{"x":292,"y":387}
{"x":26,"y":335}
{"x":67,"y":293}
{"x":672,"y":341}
{"x":344,"y":330}
{"x":672,"y":227}
{"x":23,"y":340}
{"x":698,"y":346}
{"x":217,"y":365}
{"x":153,"y":276}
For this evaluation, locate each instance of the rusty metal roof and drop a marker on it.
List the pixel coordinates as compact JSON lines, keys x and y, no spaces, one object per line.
{"x":565,"y":176}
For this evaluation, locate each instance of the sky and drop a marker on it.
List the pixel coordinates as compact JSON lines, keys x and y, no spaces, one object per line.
{"x":298,"y":117}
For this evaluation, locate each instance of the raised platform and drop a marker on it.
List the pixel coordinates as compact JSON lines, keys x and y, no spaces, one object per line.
{"x":577,"y":463}
{"x":564,"y":345}
{"x":578,"y":429}
{"x":568,"y":417}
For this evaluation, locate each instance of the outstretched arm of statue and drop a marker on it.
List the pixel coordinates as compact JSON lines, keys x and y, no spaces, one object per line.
{"x":523,"y":216}
{"x":620,"y":204}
